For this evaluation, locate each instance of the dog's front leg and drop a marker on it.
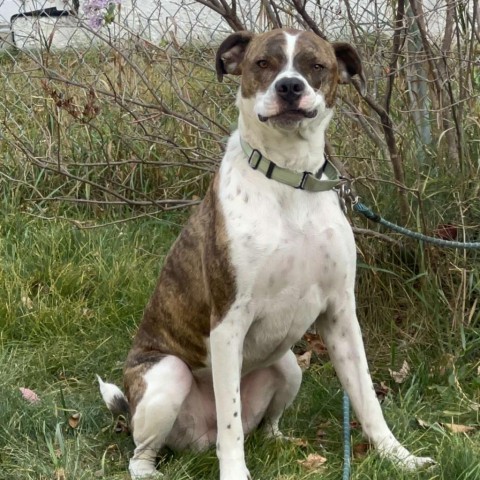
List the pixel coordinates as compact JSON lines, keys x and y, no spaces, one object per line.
{"x":341,"y":333}
{"x":226,"y":347}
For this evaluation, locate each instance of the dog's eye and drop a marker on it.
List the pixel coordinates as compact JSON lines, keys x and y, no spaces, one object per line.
{"x":262,"y":63}
{"x":318,"y":66}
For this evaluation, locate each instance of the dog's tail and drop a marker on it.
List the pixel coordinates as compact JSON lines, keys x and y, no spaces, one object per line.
{"x":115,"y":399}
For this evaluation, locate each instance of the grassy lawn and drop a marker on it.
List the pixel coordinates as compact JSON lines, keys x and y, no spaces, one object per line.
{"x":70,"y":300}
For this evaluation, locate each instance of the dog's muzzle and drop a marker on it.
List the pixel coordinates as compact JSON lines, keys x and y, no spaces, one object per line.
{"x":289,"y":92}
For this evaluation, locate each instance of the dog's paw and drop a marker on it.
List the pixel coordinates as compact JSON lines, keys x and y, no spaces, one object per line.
{"x":417,"y":463}
{"x":141,"y":469}
{"x":235,"y":472}
{"x":403,"y":458}
{"x":270,"y":432}
{"x":285,"y":438}
{"x":247,"y":476}
{"x":276,"y":434}
{"x":232,"y":476}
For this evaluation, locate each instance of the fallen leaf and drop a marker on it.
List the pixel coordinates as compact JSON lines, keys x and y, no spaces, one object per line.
{"x":315,"y":343}
{"x":452,"y":427}
{"x":402,"y":374}
{"x":446,"y":231}
{"x":456,"y":428}
{"x":74,"y":420}
{"x":354,"y":425}
{"x":304,"y":360}
{"x":299,"y":442}
{"x":360,"y":450}
{"x":29,"y":395}
{"x":314,"y":461}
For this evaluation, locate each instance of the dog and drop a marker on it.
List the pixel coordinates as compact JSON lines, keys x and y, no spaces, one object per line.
{"x":267,"y":254}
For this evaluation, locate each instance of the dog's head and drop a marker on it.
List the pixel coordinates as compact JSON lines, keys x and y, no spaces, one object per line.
{"x":289,"y":77}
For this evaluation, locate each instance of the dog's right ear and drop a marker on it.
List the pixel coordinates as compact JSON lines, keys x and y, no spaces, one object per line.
{"x":230,"y":54}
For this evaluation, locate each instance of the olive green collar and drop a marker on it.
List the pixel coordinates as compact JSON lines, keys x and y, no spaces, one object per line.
{"x":327,"y":178}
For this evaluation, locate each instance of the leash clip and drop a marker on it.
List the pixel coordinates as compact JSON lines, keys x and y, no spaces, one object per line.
{"x":345,"y":195}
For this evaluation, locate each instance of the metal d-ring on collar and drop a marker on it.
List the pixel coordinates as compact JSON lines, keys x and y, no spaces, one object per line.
{"x":347,"y":198}
{"x":327,"y":178}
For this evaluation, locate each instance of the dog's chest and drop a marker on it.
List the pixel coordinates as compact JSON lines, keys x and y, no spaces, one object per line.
{"x":291,"y":250}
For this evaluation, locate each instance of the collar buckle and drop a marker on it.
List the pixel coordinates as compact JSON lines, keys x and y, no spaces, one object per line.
{"x":301,"y":185}
{"x":254,"y":159}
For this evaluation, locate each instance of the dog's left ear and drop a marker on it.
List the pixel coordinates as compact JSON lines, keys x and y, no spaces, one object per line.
{"x":230,"y":54}
{"x":349,"y":64}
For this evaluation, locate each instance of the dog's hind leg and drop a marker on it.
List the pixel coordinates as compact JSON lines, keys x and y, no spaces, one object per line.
{"x":267,"y":392}
{"x":166,"y":384}
{"x":290,"y":377}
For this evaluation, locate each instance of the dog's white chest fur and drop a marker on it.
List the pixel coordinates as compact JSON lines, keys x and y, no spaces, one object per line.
{"x":291,"y":252}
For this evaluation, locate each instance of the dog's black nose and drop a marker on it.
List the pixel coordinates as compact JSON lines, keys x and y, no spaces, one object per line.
{"x":289,"y":88}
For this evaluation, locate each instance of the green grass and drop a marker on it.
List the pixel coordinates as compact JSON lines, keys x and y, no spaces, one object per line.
{"x":69,"y":303}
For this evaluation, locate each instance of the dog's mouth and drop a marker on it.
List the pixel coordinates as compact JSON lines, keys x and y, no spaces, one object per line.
{"x":290,"y":115}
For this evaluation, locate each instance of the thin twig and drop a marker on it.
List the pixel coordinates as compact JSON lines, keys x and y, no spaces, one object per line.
{"x":88,"y":226}
{"x":373,"y":233}
{"x":300,"y":7}
{"x":168,"y":203}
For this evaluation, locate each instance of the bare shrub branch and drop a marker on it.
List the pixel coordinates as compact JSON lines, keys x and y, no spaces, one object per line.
{"x":137,"y":119}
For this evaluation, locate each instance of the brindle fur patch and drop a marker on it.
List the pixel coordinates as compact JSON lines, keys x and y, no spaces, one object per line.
{"x":268,"y":47}
{"x":311,"y":50}
{"x":195,"y":289}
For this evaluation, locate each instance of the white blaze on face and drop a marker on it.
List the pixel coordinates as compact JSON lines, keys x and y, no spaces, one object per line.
{"x":290,"y":52}
{"x":268,"y":104}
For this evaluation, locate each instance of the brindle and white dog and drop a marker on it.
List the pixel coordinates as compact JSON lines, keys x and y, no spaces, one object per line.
{"x":256,"y":265}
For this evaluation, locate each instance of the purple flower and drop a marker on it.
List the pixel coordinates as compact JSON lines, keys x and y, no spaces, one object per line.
{"x":100,"y":11}
{"x":95,"y":21}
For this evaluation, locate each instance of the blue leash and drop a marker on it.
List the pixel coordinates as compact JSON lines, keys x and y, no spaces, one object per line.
{"x":366,"y":212}
{"x":346,"y":437}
